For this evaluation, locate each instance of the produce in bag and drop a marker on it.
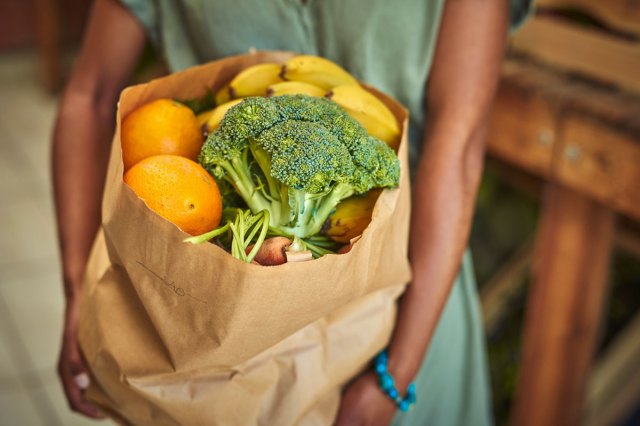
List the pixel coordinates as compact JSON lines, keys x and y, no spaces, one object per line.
{"x":176,"y":333}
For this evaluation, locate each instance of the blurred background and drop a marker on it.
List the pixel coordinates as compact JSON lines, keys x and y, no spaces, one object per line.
{"x":556,"y":237}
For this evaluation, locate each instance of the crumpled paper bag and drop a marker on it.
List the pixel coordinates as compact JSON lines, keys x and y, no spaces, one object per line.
{"x":177,"y":334}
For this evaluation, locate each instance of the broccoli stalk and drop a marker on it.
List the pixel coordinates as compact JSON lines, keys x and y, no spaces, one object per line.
{"x":246,"y":228}
{"x":274,"y":192}
{"x":312,"y":210}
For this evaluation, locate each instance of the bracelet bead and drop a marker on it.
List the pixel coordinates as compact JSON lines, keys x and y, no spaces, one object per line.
{"x":386,"y":381}
{"x":387,"y":384}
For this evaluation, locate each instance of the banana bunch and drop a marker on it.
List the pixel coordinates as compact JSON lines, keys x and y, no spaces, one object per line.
{"x":315,"y":76}
{"x":351,"y":217}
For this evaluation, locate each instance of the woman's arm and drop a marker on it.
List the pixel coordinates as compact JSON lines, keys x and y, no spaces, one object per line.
{"x":461,"y":87}
{"x":459,"y":96}
{"x":81,"y":141}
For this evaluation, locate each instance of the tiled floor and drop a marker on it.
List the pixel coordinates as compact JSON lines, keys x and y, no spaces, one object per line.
{"x":31,"y":298}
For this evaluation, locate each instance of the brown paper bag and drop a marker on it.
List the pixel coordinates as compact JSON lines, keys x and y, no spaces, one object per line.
{"x":177,"y":334}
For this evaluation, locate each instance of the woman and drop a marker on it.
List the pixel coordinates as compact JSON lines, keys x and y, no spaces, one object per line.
{"x":398,"y":47}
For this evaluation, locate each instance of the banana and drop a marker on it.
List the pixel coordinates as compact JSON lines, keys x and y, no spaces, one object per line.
{"x":254,"y":80}
{"x":351,"y":217}
{"x":359,"y":99}
{"x":203,"y":117}
{"x":222,"y":96}
{"x":369,"y":111}
{"x":295,"y":88}
{"x":217,"y":114}
{"x":318,"y":71}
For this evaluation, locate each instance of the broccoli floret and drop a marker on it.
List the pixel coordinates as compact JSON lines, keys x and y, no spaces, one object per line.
{"x":307,"y":108}
{"x":249,"y":118}
{"x":387,"y":172}
{"x":305,"y":156}
{"x":230,"y":160}
{"x":321,"y":110}
{"x":377,"y":166}
{"x":298,"y":157}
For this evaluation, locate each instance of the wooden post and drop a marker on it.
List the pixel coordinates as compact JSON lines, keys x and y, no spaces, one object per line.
{"x":571,"y":261}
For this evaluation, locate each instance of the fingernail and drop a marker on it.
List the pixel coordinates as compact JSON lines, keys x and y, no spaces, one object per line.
{"x":82,"y":380}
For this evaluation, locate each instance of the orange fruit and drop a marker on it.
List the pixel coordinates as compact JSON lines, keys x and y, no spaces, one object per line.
{"x":160,"y":127}
{"x":178,"y":189}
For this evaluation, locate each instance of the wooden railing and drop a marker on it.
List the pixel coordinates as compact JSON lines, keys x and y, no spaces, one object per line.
{"x":568,"y":111}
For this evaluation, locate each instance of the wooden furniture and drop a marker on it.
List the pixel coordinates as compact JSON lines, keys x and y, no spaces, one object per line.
{"x":568,"y":111}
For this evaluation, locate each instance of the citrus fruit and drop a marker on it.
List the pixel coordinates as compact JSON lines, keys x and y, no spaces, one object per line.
{"x":160,"y":127}
{"x":179,"y":190}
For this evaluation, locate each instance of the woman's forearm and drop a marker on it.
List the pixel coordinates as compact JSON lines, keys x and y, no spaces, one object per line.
{"x":84,"y":128}
{"x":80,"y":155}
{"x":460,"y":91}
{"x":444,"y":198}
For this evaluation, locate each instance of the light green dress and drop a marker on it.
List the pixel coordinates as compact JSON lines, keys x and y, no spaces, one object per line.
{"x":389,"y":44}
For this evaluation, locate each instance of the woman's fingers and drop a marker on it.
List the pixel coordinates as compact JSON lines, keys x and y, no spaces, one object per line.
{"x":75,"y":379}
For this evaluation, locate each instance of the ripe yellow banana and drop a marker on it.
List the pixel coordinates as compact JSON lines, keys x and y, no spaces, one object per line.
{"x":222,"y":95}
{"x":369,"y":111}
{"x":351,"y":217}
{"x":295,"y":88}
{"x":318,"y":71}
{"x":217,"y":114}
{"x":203,"y":117}
{"x":359,"y":99}
{"x":254,"y":80}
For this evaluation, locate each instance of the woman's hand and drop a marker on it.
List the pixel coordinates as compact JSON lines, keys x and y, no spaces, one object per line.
{"x":364,"y":404}
{"x":71,"y":366}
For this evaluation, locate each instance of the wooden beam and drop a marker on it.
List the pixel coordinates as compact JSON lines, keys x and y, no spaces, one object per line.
{"x":621,"y":15}
{"x":581,"y":135}
{"x":589,"y":52}
{"x":564,"y":93}
{"x":598,"y":161}
{"x":522,"y":129}
{"x":614,"y":385}
{"x":570,"y":266}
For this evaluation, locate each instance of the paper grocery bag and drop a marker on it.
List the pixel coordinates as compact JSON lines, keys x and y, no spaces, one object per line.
{"x":181,"y":334}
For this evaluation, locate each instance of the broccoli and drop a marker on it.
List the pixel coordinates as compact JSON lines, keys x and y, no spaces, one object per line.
{"x":313,"y":166}
{"x":296,"y":156}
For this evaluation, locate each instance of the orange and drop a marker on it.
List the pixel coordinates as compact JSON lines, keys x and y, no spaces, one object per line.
{"x":160,"y":127}
{"x":178,"y":189}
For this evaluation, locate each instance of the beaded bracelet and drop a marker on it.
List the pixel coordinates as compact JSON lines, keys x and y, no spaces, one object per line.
{"x":388,"y":384}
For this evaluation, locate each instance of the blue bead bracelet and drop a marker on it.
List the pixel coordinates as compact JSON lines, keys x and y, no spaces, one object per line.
{"x":388,"y":386}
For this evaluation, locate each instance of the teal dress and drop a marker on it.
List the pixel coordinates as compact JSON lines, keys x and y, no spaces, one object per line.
{"x":389,"y":44}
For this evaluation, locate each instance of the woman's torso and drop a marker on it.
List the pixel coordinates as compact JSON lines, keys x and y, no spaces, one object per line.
{"x":388,"y":44}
